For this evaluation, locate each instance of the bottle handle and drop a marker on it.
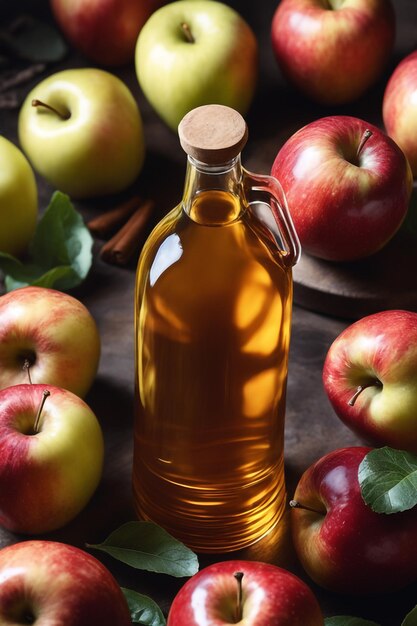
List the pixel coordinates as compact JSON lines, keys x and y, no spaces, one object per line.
{"x":279,"y":209}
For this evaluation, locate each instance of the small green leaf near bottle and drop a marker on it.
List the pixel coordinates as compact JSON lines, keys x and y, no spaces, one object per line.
{"x":146,"y":546}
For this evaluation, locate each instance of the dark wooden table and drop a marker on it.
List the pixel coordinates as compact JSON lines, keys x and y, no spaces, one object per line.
{"x":312,"y":429}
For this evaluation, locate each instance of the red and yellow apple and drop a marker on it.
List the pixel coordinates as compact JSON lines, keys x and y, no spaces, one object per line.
{"x":51,"y":332}
{"x":347,"y":184}
{"x":46,"y":582}
{"x":341,"y":542}
{"x":51,"y":457}
{"x":249,"y":593}
{"x":399,"y":108}
{"x":370,"y":377}
{"x":333,"y":50}
{"x":104,"y":30}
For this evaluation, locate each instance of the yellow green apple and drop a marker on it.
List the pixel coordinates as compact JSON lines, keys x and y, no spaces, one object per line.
{"x":82,"y":130}
{"x":195,"y":52}
{"x":18,"y":199}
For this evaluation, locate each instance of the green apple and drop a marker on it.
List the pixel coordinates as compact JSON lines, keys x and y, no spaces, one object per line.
{"x":195,"y":52}
{"x":82,"y":131}
{"x":51,"y":457}
{"x":18,"y":199}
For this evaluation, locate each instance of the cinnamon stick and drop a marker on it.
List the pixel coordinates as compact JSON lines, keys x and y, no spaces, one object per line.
{"x":121,"y":247}
{"x":8,"y":101}
{"x":103,"y":224}
{"x":7,"y":81}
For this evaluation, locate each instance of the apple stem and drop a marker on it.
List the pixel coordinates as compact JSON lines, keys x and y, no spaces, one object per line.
{"x":45,"y":394}
{"x":360,"y":388}
{"x":366,"y":135}
{"x":26,"y":366}
{"x":39,"y":103}
{"x":187,"y":32}
{"x":294,"y":504}
{"x":357,"y":393}
{"x":239,"y":611}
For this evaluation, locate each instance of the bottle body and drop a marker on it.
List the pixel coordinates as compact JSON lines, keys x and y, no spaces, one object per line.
{"x":213,"y":315}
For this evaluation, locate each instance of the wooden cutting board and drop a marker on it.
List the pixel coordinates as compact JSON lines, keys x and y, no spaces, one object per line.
{"x":385,"y":280}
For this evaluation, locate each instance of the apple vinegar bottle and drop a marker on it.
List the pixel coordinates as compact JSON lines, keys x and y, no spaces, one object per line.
{"x":212,"y":328}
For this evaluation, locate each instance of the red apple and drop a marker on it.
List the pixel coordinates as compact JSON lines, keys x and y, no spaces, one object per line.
{"x":342,"y":544}
{"x":265,"y":595}
{"x":370,"y":377}
{"x":399,"y":108}
{"x":50,"y":583}
{"x":49,"y":466}
{"x":54,"y":333}
{"x":333,"y":50}
{"x":104,"y":30}
{"x":347,"y":184}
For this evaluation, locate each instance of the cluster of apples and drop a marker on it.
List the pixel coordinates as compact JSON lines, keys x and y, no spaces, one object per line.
{"x":369,"y":375}
{"x":51,"y":443}
{"x":347,"y":183}
{"x":81,"y":129}
{"x":334,"y":51}
{"x":334,"y":163}
{"x":51,"y":460}
{"x":348,"y":187}
{"x":186,"y":53}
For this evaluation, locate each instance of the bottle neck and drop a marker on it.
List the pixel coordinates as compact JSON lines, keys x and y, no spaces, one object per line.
{"x":214,"y":194}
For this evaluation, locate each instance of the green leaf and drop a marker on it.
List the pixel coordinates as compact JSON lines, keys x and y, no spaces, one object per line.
{"x":143,"y":610}
{"x":146,"y":546}
{"x":33,"y":40}
{"x":344,"y":620}
{"x":62,"y":238}
{"x":60,"y":253}
{"x":388,"y":480}
{"x":411,"y":618}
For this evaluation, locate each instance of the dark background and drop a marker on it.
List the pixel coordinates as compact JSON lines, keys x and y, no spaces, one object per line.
{"x":312,"y":429}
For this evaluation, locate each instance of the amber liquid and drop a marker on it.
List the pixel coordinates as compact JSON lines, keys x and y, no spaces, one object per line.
{"x":213,"y":309}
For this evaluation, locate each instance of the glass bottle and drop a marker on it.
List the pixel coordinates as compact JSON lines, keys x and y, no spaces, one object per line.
{"x":212,"y":328}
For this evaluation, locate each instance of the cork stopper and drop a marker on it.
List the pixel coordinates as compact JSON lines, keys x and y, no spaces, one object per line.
{"x":213,"y":133}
